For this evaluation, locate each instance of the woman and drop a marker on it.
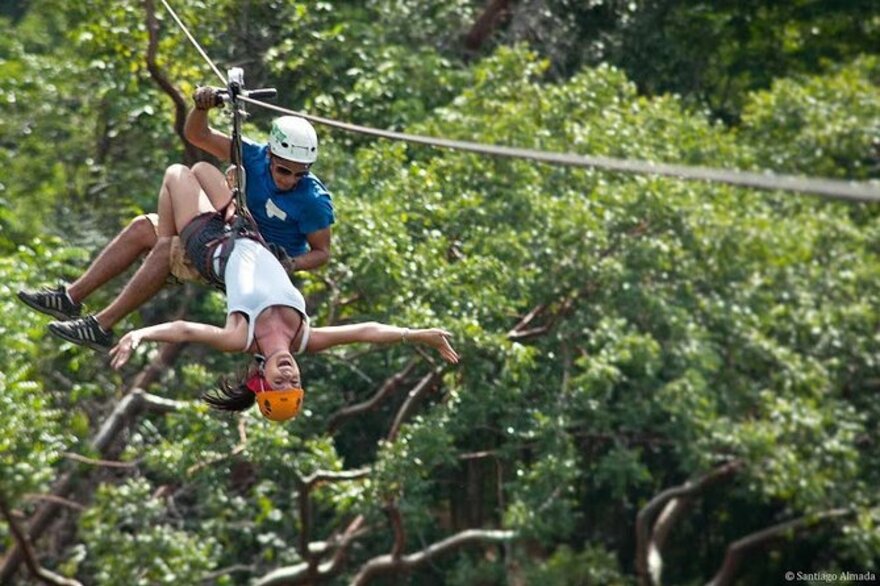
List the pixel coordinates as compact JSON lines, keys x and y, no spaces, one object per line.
{"x":266,"y":314}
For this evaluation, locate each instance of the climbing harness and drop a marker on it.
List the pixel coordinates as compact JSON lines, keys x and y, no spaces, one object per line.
{"x":208,"y":234}
{"x":232,"y":95}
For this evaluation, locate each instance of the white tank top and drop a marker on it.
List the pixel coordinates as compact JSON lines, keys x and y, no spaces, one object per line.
{"x":255,"y":280}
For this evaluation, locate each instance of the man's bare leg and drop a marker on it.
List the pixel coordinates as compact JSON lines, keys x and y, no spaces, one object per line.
{"x":65,"y":301}
{"x":143,"y":286}
{"x":136,"y":239}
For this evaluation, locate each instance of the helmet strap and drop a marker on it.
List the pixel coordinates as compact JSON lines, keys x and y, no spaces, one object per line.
{"x":256,"y":383}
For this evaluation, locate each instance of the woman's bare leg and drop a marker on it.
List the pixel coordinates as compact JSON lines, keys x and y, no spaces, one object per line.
{"x":213,"y":183}
{"x":181,"y":199}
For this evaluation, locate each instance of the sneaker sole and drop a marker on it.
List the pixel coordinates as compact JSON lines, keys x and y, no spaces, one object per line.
{"x":46,"y":310}
{"x":78,"y":341}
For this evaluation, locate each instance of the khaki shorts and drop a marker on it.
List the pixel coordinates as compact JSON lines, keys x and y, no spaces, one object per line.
{"x":181,"y":268}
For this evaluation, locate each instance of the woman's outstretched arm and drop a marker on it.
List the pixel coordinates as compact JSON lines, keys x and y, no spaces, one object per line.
{"x":376,"y":333}
{"x":227,"y":339}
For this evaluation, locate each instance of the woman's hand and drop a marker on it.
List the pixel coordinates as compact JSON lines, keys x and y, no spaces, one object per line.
{"x":437,"y":338}
{"x":122,"y":351}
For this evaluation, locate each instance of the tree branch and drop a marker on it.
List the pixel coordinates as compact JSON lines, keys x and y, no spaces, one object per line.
{"x":30,"y":558}
{"x":396,"y":519}
{"x":301,"y":574}
{"x":97,"y":462}
{"x":386,"y":564}
{"x":190,"y":153}
{"x":212,"y":576}
{"x":493,"y":15}
{"x":388,"y":387}
{"x":56,"y":499}
{"x":649,"y":539}
{"x":415,"y":395}
{"x":556,"y":311}
{"x":740,"y":548}
{"x":322,"y":476}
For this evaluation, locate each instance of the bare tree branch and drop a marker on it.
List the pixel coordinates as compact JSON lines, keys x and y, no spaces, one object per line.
{"x":97,"y":462}
{"x":30,"y":557}
{"x":527,"y":320}
{"x":412,"y":399}
{"x":190,"y":153}
{"x":300,"y":574}
{"x":396,"y":519}
{"x":386,"y":564}
{"x":212,"y":576}
{"x":321,"y":476}
{"x":740,"y":548}
{"x":493,"y":15}
{"x":388,"y":387}
{"x":649,"y":539}
{"x":56,"y":499}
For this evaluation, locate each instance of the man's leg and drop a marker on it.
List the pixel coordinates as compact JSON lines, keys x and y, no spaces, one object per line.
{"x":146,"y":283}
{"x":94,"y":331}
{"x":181,"y":198}
{"x":65,"y":302}
{"x":136,"y":239}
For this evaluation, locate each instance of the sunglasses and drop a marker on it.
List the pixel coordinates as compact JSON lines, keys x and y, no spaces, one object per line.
{"x":285,"y":172}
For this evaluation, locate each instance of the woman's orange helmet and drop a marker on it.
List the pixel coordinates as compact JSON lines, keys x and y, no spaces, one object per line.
{"x":277,"y":405}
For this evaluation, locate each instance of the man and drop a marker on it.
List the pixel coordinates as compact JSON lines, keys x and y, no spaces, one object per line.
{"x":292,"y":208}
{"x":290,"y":205}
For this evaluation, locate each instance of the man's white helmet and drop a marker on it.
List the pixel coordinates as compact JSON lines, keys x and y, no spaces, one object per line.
{"x":294,"y":139}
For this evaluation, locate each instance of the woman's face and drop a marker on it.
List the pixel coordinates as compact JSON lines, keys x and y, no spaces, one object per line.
{"x":282,"y":372}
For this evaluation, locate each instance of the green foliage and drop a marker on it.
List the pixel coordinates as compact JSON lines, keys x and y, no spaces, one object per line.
{"x":711,"y":53}
{"x":820,"y":125}
{"x":34,"y":430}
{"x":130,"y":539}
{"x":592,"y":566}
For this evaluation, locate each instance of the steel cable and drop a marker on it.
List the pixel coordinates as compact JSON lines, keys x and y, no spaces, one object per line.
{"x":853,"y":191}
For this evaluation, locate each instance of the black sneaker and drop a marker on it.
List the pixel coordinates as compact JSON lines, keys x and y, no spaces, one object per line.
{"x":84,"y":331}
{"x":54,"y":302}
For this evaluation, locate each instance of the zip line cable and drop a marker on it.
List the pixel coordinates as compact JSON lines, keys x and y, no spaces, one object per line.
{"x":831,"y":188}
{"x":860,"y":192}
{"x":193,"y":41}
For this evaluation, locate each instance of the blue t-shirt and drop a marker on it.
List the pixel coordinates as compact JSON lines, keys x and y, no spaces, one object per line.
{"x":284,"y":217}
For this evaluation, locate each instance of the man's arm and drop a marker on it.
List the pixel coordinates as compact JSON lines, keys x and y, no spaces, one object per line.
{"x":319,"y":241}
{"x":197,"y":131}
